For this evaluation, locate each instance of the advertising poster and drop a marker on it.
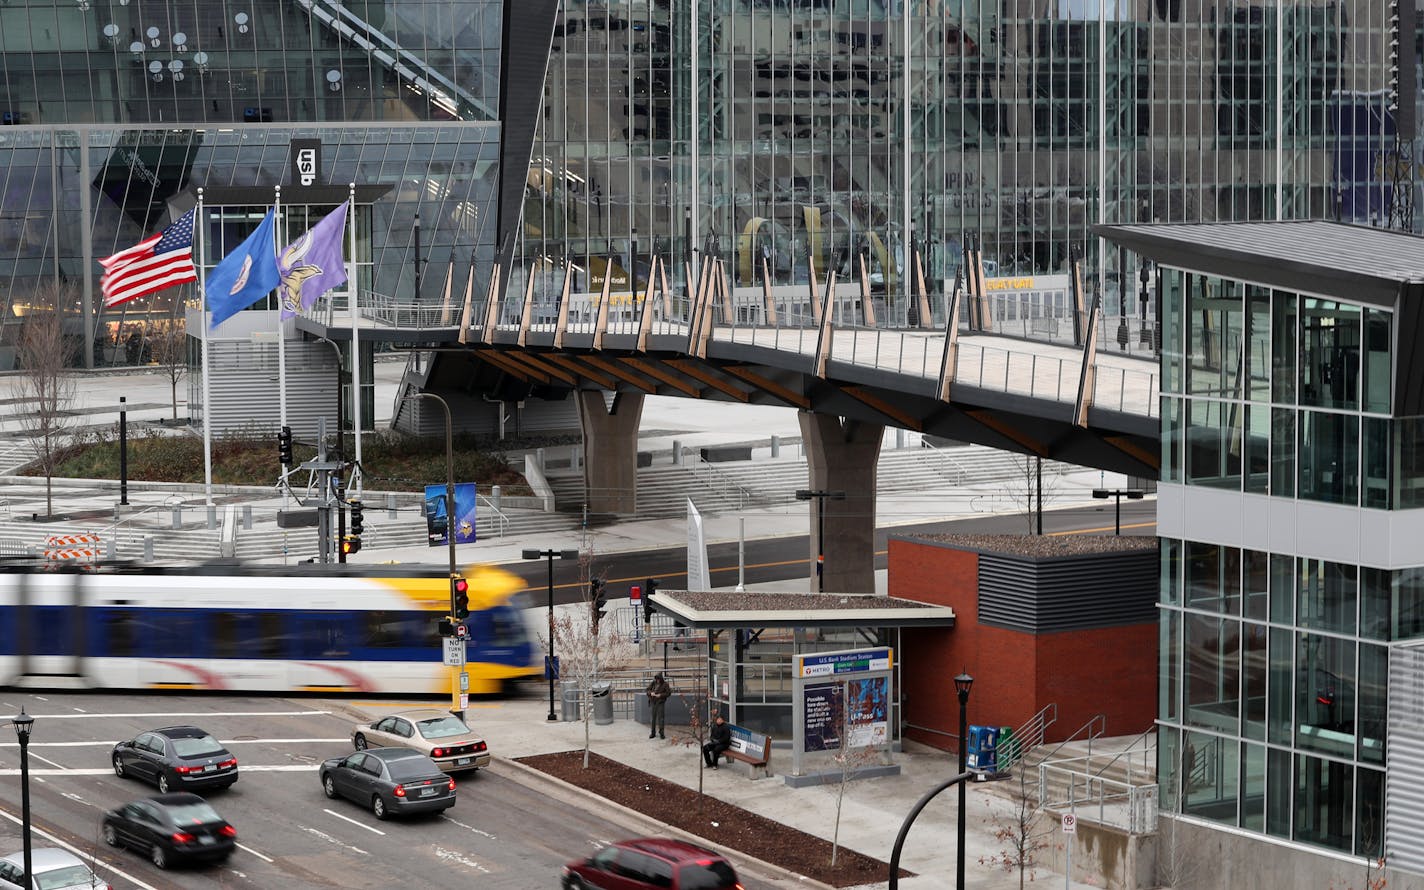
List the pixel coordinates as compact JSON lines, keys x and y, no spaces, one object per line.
{"x":437,"y":523}
{"x":869,"y":711}
{"x":823,"y":710}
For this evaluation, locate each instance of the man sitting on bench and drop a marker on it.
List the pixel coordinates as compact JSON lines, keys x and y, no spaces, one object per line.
{"x":719,"y":742}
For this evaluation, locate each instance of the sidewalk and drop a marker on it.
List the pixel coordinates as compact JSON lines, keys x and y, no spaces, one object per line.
{"x":871,"y":815}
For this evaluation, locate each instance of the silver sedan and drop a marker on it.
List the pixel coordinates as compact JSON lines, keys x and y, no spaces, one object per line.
{"x":439,"y":735}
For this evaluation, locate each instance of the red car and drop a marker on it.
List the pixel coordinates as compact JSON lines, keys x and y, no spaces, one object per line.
{"x":651,"y":862}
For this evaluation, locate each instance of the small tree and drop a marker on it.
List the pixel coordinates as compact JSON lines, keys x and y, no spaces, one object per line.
{"x":46,"y":386}
{"x":170,"y":350}
{"x":1177,"y":867}
{"x":849,"y":758}
{"x":1016,"y":831}
{"x":1023,"y":489}
{"x":699,"y":730}
{"x":582,"y":651}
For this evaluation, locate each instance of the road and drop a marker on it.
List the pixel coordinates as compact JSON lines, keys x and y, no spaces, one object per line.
{"x":786,"y":557}
{"x":499,"y":835}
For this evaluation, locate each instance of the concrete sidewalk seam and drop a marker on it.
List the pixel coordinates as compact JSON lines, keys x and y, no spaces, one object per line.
{"x":545,"y":783}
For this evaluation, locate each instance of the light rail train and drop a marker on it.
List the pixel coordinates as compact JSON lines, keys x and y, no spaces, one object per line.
{"x":342,"y":630}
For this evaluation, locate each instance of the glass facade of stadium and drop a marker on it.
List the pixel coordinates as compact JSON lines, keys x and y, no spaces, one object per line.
{"x":113,"y":112}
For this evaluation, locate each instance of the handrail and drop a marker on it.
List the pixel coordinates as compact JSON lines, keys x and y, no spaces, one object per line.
{"x":940,"y":453}
{"x":1030,"y":734}
{"x":1085,"y":728}
{"x":719,"y":479}
{"x":1145,"y":738}
{"x":503,"y":519}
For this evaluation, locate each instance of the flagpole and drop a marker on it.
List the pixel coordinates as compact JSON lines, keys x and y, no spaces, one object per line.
{"x":203,"y":324}
{"x":281,"y":345}
{"x":355,"y":335}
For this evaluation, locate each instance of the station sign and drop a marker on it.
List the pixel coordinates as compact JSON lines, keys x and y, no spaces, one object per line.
{"x":856,"y":661}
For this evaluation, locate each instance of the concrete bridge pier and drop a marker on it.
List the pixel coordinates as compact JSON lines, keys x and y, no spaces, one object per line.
{"x":610,"y":450}
{"x":841,"y":455}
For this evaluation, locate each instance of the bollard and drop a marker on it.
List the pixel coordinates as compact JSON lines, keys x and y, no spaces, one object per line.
{"x":212,"y":516}
{"x":676,"y":453}
{"x":148,"y":548}
{"x":247,"y":517}
{"x":539,"y":459}
{"x":391,"y":506}
{"x":494,"y":496}
{"x":177,"y":517}
{"x":899,"y":438}
{"x":109,"y":550}
{"x":776,"y":446}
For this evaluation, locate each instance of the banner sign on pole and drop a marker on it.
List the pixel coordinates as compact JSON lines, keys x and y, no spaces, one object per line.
{"x":437,"y":523}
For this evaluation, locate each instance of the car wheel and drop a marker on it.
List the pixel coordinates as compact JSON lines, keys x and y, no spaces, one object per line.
{"x":328,"y":785}
{"x":118,"y":766}
{"x":574,"y":883}
{"x":360,"y":741}
{"x":162,"y":783}
{"x":111,"y":835}
{"x":159,"y":856}
{"x":378,"y":806}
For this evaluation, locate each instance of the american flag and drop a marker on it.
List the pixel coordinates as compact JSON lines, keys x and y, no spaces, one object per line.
{"x":156,"y":262}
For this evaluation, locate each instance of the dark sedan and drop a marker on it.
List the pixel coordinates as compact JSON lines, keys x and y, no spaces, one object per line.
{"x":389,"y":781}
{"x":175,"y":758}
{"x":171,"y":828}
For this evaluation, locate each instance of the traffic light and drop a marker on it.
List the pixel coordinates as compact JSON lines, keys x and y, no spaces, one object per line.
{"x":460,"y":589}
{"x":650,"y":587}
{"x":284,"y":446}
{"x":357,"y":523}
{"x":351,"y":545}
{"x":598,"y":600}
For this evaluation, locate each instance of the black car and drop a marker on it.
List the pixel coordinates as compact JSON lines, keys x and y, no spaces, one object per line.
{"x":389,"y":781}
{"x":176,"y":757}
{"x":171,"y":828}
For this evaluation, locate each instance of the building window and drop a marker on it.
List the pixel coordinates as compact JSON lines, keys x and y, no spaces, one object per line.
{"x":1325,"y":695}
{"x":1213,"y":679}
{"x":1329,"y":457}
{"x":1324,"y":798}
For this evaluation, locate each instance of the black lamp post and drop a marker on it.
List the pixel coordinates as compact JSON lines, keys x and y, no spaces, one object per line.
{"x":549,"y":668}
{"x":1144,"y":337}
{"x":1132,"y":494}
{"x":123,"y":452}
{"x":961,"y":686}
{"x":23,"y":723}
{"x":820,"y":495}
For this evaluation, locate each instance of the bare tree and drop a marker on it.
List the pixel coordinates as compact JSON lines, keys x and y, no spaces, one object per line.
{"x":583,"y":649}
{"x":699,"y":729}
{"x":850,"y":758}
{"x":1016,"y":830}
{"x":1178,"y":866}
{"x":1022,"y":491}
{"x":45,"y":386}
{"x":170,"y":350}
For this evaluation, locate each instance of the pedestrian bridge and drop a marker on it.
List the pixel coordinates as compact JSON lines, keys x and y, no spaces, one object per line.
{"x":990,"y":369}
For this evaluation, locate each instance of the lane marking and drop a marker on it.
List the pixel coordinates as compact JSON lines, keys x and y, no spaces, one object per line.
{"x":469,"y":827}
{"x":354,"y":822}
{"x":47,"y":760}
{"x":254,"y":853}
{"x":452,"y":856}
{"x":331,"y":840}
{"x":167,"y":714}
{"x":89,"y":771}
{"x":33,"y":745}
{"x":76,"y":851}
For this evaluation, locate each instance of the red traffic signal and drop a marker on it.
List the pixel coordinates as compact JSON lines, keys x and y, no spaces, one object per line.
{"x":460,"y":598}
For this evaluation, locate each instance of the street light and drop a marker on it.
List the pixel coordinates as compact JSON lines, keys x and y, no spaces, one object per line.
{"x":1132,"y":494}
{"x":1145,"y":337}
{"x":961,"y":686}
{"x":449,"y":527}
{"x":23,"y":723}
{"x":820,"y":495}
{"x":549,"y":667}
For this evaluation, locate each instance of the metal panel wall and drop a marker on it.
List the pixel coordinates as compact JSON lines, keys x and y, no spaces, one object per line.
{"x":1068,"y":593}
{"x":1404,"y":764}
{"x":244,"y":387}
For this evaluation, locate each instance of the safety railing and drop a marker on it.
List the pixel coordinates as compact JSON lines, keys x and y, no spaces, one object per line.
{"x":1028,"y":737}
{"x":956,"y":477}
{"x":719,"y":483}
{"x":498,"y":513}
{"x":1109,"y":802}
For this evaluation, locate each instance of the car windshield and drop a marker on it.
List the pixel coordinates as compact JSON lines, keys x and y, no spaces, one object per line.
{"x":70,"y":876}
{"x":197,"y":747}
{"x":715,"y":875}
{"x":197,"y":813}
{"x":410,"y":768}
{"x":442,"y":727}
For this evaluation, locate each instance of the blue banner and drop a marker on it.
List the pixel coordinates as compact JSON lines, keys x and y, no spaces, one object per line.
{"x":437,"y":522}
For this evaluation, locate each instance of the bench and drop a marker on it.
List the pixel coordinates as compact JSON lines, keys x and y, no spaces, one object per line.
{"x":751,"y":748}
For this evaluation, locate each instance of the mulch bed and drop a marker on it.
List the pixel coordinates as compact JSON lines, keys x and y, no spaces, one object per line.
{"x":713,"y":819}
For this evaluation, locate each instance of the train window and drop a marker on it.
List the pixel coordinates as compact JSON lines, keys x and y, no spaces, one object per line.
{"x":52,"y":626}
{"x":506,"y":628}
{"x":172,"y":634}
{"x":386,"y":630}
{"x":323,"y":635}
{"x":224,"y":634}
{"x":271,"y":643}
{"x":121,"y":631}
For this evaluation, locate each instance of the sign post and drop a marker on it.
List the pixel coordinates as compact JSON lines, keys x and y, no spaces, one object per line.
{"x":1070,"y":827}
{"x":454,"y":651}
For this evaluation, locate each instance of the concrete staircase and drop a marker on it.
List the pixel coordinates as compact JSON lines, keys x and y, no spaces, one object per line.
{"x":663,"y":490}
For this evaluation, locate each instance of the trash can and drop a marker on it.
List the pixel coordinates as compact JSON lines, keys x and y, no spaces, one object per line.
{"x":983,"y":743}
{"x":1007,"y":752}
{"x":602,"y":694}
{"x":571,"y":695}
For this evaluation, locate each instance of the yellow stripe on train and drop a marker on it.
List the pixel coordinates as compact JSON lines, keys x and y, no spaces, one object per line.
{"x":489,"y":586}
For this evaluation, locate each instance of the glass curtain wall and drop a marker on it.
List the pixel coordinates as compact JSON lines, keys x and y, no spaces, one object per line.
{"x":789,"y":136}
{"x":1273,"y":689}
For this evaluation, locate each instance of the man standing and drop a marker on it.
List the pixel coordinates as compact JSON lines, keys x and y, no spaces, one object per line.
{"x":721,"y":740}
{"x":658,"y":693}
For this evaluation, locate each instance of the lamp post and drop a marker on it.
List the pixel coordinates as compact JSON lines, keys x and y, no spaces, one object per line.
{"x":819,"y":495}
{"x":449,"y":524}
{"x":1144,"y":337}
{"x":961,"y":686}
{"x":1132,"y":494}
{"x":23,"y":723}
{"x":549,"y":667}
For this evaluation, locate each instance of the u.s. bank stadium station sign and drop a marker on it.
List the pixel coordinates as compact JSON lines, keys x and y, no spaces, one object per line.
{"x":830,"y":664}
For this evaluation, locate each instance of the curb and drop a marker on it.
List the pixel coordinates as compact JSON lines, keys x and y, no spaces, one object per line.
{"x":541,"y":781}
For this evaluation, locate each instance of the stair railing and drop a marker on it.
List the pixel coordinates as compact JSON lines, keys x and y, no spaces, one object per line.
{"x":941,"y":454}
{"x":1028,"y":736}
{"x":1146,"y":738}
{"x":710,"y":477}
{"x":1090,"y":730}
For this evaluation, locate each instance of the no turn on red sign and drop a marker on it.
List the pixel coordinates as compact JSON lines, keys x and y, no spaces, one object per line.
{"x":1070,"y":823}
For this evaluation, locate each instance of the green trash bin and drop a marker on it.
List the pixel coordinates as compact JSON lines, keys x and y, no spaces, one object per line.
{"x":1009,"y":749}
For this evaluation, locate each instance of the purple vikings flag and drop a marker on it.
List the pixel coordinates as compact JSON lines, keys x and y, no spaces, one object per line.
{"x":313,"y":264}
